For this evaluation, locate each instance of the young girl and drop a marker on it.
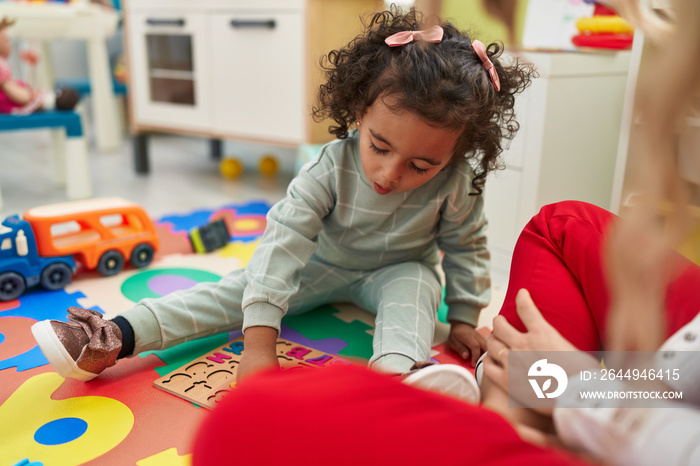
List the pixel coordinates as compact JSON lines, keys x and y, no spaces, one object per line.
{"x":361,"y":223}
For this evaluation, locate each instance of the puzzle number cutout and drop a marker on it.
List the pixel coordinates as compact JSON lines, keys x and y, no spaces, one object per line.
{"x":206,"y":379}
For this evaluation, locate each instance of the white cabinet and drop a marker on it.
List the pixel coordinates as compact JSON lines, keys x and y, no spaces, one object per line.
{"x":566,"y":148}
{"x":170,"y":69}
{"x":233,"y":69}
{"x":258,"y":76}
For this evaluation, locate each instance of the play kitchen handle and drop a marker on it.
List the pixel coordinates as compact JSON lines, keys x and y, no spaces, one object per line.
{"x":253,"y":23}
{"x":165,"y":22}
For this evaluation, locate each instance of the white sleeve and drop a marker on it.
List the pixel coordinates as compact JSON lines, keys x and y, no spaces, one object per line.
{"x":666,"y":433}
{"x":681,"y":353}
{"x":587,"y":424}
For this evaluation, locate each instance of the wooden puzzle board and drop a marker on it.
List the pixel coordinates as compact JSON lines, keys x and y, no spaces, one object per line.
{"x":208,"y":378}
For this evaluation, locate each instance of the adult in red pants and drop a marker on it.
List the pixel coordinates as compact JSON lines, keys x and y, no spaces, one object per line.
{"x":559,"y":259}
{"x":351,"y":415}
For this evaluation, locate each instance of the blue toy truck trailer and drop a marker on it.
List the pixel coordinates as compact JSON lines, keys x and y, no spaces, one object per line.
{"x":21,"y":267}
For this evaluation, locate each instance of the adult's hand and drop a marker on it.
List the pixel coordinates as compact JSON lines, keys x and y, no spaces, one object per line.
{"x":539,"y":337}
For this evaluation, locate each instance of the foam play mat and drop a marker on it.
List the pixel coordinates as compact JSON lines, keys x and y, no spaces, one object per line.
{"x":121,"y":417}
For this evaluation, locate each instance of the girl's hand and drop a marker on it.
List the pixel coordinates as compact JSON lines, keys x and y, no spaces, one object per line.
{"x":466,"y":341}
{"x":259,"y":352}
{"x":255,"y":361}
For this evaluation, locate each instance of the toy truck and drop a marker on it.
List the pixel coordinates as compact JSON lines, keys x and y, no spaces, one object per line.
{"x":97,"y":234}
{"x":21,"y":267}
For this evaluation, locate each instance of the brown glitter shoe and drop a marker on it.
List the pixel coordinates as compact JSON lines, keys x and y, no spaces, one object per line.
{"x":82,"y":347}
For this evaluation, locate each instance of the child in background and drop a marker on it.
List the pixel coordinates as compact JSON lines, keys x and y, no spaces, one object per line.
{"x":363,"y":222}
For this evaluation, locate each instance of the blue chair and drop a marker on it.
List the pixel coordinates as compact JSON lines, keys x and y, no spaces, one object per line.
{"x":71,"y":164}
{"x":83,"y":88}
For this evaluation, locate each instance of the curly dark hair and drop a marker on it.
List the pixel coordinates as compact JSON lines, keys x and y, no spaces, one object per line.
{"x":445,"y":84}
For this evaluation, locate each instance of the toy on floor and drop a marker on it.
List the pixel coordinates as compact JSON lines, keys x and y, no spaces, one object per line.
{"x":42,"y":247}
{"x":22,"y":267}
{"x":101,"y":233}
{"x":19,"y":98}
{"x":209,"y":237}
{"x":268,"y":165}
{"x":231,"y":168}
{"x":208,"y":378}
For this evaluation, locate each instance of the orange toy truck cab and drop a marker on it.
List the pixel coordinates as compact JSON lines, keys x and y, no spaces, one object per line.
{"x":100,"y":233}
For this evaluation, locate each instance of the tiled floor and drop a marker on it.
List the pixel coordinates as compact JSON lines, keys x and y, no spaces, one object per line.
{"x":183,"y":175}
{"x":183,"y":178}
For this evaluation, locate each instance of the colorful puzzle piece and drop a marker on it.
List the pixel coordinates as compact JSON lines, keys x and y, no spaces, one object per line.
{"x":250,"y":215}
{"x":183,"y":353}
{"x":7,"y":305}
{"x":17,"y":346}
{"x":243,"y":227}
{"x":327,"y":345}
{"x":15,"y":336}
{"x":166,"y":458}
{"x":39,"y":304}
{"x":242,"y":250}
{"x":205,"y":380}
{"x":171,"y":242}
{"x":159,"y":282}
{"x":26,"y":462}
{"x":322,"y":322}
{"x":60,"y":432}
{"x":158,"y":416}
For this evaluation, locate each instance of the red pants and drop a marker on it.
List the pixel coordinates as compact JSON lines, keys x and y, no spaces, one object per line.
{"x":559,"y":260}
{"x":352,"y":416}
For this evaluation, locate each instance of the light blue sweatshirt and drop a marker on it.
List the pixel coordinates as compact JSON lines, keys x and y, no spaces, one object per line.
{"x":332,"y":211}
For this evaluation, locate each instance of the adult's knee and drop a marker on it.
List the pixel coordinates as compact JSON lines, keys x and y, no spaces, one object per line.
{"x":578,"y":209}
{"x":556,"y":218}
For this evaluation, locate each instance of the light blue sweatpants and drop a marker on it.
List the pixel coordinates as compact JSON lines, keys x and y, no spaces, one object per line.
{"x":404,"y":297}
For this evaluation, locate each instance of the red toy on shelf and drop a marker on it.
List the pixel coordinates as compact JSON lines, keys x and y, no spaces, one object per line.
{"x":604,"y":30}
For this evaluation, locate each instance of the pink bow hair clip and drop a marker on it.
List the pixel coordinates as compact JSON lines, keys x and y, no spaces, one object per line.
{"x":432,"y":34}
{"x":480,"y":50}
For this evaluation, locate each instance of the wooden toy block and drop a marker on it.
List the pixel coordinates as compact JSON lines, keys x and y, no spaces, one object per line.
{"x":208,"y":378}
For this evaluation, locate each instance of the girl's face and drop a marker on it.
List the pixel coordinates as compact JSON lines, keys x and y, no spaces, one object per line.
{"x":399,"y":150}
